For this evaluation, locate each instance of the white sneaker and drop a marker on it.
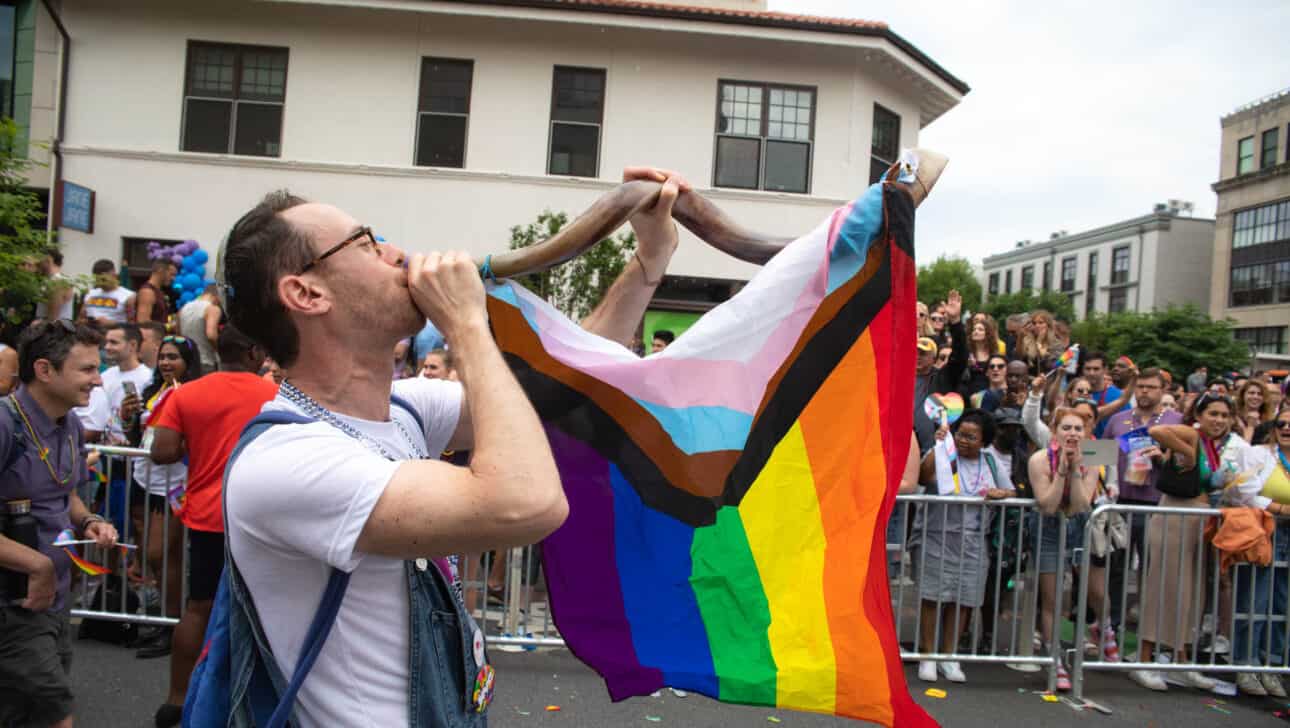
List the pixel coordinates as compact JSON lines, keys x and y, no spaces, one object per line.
{"x":1194,"y":679}
{"x":1272,"y":684}
{"x":1221,"y":645}
{"x":953,"y":672}
{"x":927,"y":671}
{"x":1149,"y":679}
{"x":1250,"y":684}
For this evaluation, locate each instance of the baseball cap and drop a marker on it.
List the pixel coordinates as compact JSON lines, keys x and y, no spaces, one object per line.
{"x":1007,"y":416}
{"x":926,"y":344}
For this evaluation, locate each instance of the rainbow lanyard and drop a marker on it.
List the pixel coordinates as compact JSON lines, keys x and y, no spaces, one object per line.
{"x":1285,"y":464}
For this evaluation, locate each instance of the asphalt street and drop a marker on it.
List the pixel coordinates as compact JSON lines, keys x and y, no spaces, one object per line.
{"x":114,"y":690}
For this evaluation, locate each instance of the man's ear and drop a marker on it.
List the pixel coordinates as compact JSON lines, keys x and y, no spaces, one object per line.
{"x":303,"y":295}
{"x":44,"y":370}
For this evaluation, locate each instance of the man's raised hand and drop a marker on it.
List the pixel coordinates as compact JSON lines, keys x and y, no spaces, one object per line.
{"x":446,"y":287}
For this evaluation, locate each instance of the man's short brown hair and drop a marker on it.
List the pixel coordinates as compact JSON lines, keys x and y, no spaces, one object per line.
{"x":1152,"y":373}
{"x":261,"y":248}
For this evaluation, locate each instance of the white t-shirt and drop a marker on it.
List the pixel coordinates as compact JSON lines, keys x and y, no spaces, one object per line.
{"x":297,"y":499}
{"x":100,"y":414}
{"x":65,"y":310}
{"x":107,"y":304}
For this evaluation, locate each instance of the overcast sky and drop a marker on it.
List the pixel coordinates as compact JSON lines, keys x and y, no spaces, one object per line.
{"x":1080,"y":114}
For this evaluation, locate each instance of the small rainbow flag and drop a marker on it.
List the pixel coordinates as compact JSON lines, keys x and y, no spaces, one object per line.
{"x":87,"y":567}
{"x":1069,"y":359}
{"x":728,"y":497}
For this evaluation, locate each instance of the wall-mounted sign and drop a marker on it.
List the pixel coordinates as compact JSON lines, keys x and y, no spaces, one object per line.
{"x":76,"y":211}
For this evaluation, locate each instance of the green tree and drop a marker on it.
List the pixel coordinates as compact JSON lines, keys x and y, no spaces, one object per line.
{"x":945,"y":274}
{"x":1055,"y":302}
{"x":23,"y":239}
{"x":1179,"y":338}
{"x":577,"y":286}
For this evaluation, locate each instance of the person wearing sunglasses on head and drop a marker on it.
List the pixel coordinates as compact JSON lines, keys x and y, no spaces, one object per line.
{"x":41,"y":465}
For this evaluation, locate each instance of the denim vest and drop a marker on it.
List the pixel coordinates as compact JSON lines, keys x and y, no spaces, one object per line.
{"x":441,"y":659}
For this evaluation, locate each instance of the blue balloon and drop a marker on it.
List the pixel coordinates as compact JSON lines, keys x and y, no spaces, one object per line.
{"x":192,"y":281}
{"x":178,"y":285}
{"x":201,"y":256}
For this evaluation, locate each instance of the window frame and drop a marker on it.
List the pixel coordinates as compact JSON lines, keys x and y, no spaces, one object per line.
{"x":234,"y":99}
{"x":763,"y":138}
{"x":1117,"y":300}
{"x":1007,"y":282}
{"x":1047,"y":275}
{"x":877,"y":107}
{"x":421,"y":92}
{"x":1027,"y":278}
{"x":1262,"y":224}
{"x":992,"y":283}
{"x":552,"y":121}
{"x":1127,"y":250}
{"x":1268,"y":157}
{"x":1073,"y":261}
{"x":1252,"y":337}
{"x":1241,"y":156}
{"x":1090,"y":281}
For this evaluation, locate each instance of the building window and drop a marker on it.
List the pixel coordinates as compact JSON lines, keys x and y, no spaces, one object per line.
{"x":764,"y":136}
{"x":1258,"y":225}
{"x":577,"y":111}
{"x":1245,"y":155}
{"x":1048,"y":275}
{"x":1117,"y":301}
{"x":1268,"y":158}
{"x":233,"y":98}
{"x":1068,"y":274}
{"x":886,"y":142}
{"x":135,"y":254}
{"x":1007,"y":281}
{"x":994,"y":283}
{"x":443,"y":109}
{"x":1028,"y":278}
{"x":1261,"y":284}
{"x":1263,"y":339}
{"x":1091,"y":289}
{"x":1120,"y":265}
{"x":8,"y":42}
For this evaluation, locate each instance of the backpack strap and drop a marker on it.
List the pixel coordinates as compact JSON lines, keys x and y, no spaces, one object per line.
{"x":333,"y":594}
{"x":994,"y":473}
{"x":406,"y":406}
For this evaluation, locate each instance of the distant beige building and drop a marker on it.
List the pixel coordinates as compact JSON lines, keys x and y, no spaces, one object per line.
{"x":1251,"y":268}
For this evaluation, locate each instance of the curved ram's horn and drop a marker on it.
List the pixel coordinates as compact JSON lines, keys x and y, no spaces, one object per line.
{"x":692,"y":210}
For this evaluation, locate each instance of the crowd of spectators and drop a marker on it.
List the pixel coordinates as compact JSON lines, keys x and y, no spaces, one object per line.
{"x":1179,"y":442}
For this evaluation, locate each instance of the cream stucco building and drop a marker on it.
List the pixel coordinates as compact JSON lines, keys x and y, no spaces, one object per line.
{"x":443,"y":124}
{"x":1251,"y":255}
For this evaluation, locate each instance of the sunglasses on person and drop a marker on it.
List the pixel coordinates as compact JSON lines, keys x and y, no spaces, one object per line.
{"x":996,"y":367}
{"x":363,"y":236}
{"x":1081,"y":392}
{"x":1283,"y":424}
{"x":938,"y":318}
{"x":176,"y":340}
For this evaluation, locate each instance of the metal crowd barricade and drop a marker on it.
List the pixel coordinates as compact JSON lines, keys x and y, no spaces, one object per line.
{"x":1222,"y":606}
{"x":90,"y":593}
{"x":1010,"y":592}
{"x":515,"y":613}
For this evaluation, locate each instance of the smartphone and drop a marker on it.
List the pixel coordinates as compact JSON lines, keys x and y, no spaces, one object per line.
{"x":130,"y":389}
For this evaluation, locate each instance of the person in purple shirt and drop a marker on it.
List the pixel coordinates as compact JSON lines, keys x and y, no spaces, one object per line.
{"x":41,"y":461}
{"x":1137,"y":477}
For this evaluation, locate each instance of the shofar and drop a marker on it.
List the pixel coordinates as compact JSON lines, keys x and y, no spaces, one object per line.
{"x":692,"y":210}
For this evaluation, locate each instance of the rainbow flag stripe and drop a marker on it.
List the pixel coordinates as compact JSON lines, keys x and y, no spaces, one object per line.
{"x":88,"y":567}
{"x":729,"y":496}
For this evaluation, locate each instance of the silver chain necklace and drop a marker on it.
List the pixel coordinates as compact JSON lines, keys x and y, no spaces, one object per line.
{"x":311,"y":407}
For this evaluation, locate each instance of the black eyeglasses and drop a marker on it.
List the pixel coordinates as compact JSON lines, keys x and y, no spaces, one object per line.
{"x":1283,"y":424}
{"x":998,"y":366}
{"x":363,"y":232}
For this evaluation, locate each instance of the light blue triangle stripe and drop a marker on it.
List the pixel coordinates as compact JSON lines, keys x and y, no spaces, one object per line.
{"x":702,"y":428}
{"x":855,"y":236}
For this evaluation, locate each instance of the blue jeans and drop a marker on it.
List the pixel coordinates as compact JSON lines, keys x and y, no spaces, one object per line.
{"x":1262,"y":591}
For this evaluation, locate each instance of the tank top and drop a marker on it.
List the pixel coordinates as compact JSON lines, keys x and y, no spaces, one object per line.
{"x":160,"y":305}
{"x":192,"y":324}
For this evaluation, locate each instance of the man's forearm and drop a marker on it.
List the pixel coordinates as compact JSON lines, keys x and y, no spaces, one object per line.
{"x":510,"y":446}
{"x":76,"y":511}
{"x":17,"y":557}
{"x":623,"y":306}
